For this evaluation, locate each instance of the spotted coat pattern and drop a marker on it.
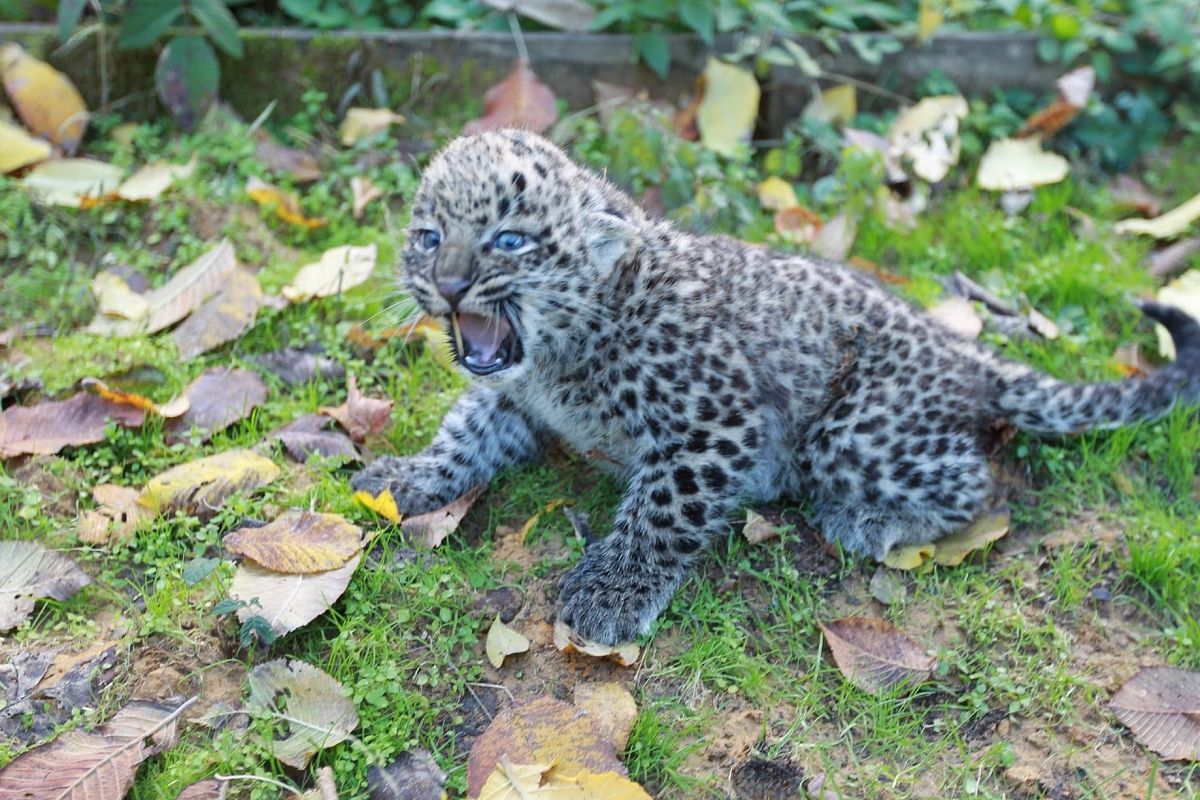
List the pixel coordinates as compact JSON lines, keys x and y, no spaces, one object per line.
{"x":710,"y":372}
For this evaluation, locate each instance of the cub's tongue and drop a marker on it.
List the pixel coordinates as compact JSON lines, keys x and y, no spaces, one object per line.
{"x":482,"y":338}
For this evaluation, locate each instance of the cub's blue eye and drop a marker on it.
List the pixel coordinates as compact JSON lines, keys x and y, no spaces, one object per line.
{"x":511,"y":241}
{"x":428,"y":240}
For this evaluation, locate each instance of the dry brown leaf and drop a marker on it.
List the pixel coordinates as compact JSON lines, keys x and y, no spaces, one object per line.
{"x":435,"y":526}
{"x":285,"y":204}
{"x":360,"y":415}
{"x":797,"y":224}
{"x":298,"y":542}
{"x":311,"y":707}
{"x":503,"y":641}
{"x":413,"y":775}
{"x":199,"y":487}
{"x":1128,"y":192}
{"x":30,"y":572}
{"x":874,"y":656}
{"x":542,"y":730}
{"x":209,"y":789}
{"x":308,"y":435}
{"x":611,"y":707}
{"x":1174,"y":258}
{"x":116,"y":518}
{"x":224,"y":317}
{"x":1161,"y":705}
{"x":363,"y":193}
{"x":1074,"y":89}
{"x":568,"y":641}
{"x":339,"y":269}
{"x":217,"y":398}
{"x":45,"y":99}
{"x":518,"y":101}
{"x":46,"y":428}
{"x":283,"y":160}
{"x":729,"y":108}
{"x":758,"y":528}
{"x":287,"y":602}
{"x":959,"y":315}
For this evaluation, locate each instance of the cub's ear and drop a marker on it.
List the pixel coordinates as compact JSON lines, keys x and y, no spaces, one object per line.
{"x":609,"y":236}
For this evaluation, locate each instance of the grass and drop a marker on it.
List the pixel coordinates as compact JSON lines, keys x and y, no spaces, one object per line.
{"x":737,"y":664}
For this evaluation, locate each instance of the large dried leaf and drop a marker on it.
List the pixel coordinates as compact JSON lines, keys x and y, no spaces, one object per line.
{"x":72,"y":182}
{"x":46,"y":428}
{"x":45,"y":99}
{"x":543,"y":730}
{"x":612,"y":708}
{"x":339,"y":269}
{"x":1074,"y":89}
{"x":149,"y":182}
{"x":874,"y":656}
{"x":181,"y":295}
{"x":311,"y":706}
{"x":360,"y":415}
{"x":950,"y":551}
{"x":518,"y":101}
{"x":296,"y":367}
{"x":1171,"y":224}
{"x":511,"y":781}
{"x":217,"y":398}
{"x":29,"y":572}
{"x":201,"y":486}
{"x":361,"y":123}
{"x":283,"y":160}
{"x":926,"y":135}
{"x":1161,"y":705}
{"x":1174,"y":258}
{"x":1184,"y":294}
{"x":565,"y":15}
{"x":288,"y":602}
{"x":433,"y":527}
{"x":224,"y":317}
{"x":412,"y":776}
{"x":1011,"y":165}
{"x":503,"y":641}
{"x":298,"y":542}
{"x":1128,"y":192}
{"x":308,"y":435}
{"x":568,"y":641}
{"x":119,"y":514}
{"x":94,"y":766}
{"x":19,"y":149}
{"x":729,"y":109}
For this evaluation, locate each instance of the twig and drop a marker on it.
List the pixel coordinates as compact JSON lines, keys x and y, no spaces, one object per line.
{"x":497,"y":687}
{"x":260,"y":779}
{"x":507,"y":767}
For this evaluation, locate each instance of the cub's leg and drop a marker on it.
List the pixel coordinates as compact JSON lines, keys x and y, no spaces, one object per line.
{"x":483,"y":433}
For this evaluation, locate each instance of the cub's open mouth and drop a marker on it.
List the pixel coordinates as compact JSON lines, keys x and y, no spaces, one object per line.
{"x":484,"y":345}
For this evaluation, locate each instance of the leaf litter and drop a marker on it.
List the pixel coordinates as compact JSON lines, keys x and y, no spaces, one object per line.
{"x":47,"y":428}
{"x":502,"y":641}
{"x":1161,"y":705}
{"x":298,"y":542}
{"x":29,"y":572}
{"x":874,"y":656}
{"x":310,"y":705}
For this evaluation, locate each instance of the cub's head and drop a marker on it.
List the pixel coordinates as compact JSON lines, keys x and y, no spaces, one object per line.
{"x":508,"y":244}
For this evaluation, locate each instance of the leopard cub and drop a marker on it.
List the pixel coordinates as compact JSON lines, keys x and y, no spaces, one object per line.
{"x":709,"y":372}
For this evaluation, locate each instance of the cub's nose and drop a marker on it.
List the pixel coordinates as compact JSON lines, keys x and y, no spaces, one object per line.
{"x":453,"y":289}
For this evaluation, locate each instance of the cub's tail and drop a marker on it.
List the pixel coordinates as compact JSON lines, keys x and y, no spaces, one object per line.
{"x":1040,"y":404}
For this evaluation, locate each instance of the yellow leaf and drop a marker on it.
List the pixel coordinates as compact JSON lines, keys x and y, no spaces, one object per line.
{"x":199,"y":487}
{"x":503,"y":641}
{"x":285,"y":204}
{"x":1014,"y":164}
{"x":776,"y":194}
{"x":909,"y":556}
{"x":1184,"y":294}
{"x":927,"y":135}
{"x":363,"y":122}
{"x":757,"y":528}
{"x":339,"y":269}
{"x":45,"y":99}
{"x":929,"y":19}
{"x":153,"y":179}
{"x":525,"y":781}
{"x":19,"y":149}
{"x":611,"y":707}
{"x":73,"y":182}
{"x":729,"y":109}
{"x":114,"y":298}
{"x":568,"y":641}
{"x":837,"y":105}
{"x":1168,"y":226}
{"x":951,"y":550}
{"x":382,"y":504}
{"x":298,"y":542}
{"x":532,"y":522}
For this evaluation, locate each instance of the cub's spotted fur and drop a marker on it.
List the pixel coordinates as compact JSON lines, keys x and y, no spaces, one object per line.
{"x":708,"y":372}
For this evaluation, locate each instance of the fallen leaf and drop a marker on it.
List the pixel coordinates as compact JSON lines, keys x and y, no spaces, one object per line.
{"x":72,"y":182}
{"x":296,"y":367}
{"x":223,"y":318}
{"x":909,"y":556}
{"x":563,"y":15}
{"x":285,"y":204}
{"x":361,"y":123}
{"x":959,"y":315}
{"x":382,"y":504}
{"x":1042,"y":325}
{"x":173,"y":409}
{"x":887,"y":587}
{"x":114,"y":298}
{"x":532,"y":522}
{"x":281,"y":160}
{"x":542,"y":730}
{"x":1161,"y":705}
{"x":611,"y":707}
{"x":435,"y":526}
{"x":19,"y":149}
{"x":926,"y":135}
{"x":1074,"y":89}
{"x":568,"y":641}
{"x":413,"y":775}
{"x":874,"y":656}
{"x":152,"y":180}
{"x":186,"y":291}
{"x":511,"y":781}
{"x":308,"y":435}
{"x":837,"y":105}
{"x":776,"y":194}
{"x":30,"y":572}
{"x":46,"y":428}
{"x":339,"y":269}
{"x":503,"y":641}
{"x":950,"y":550}
{"x":216,"y":399}
{"x":835,"y":237}
{"x":298,"y":542}
{"x":360,"y":415}
{"x":287,"y":602}
{"x":117,"y":517}
{"x":797,"y":224}
{"x":729,"y":109}
{"x":201,"y":486}
{"x":81,"y":766}
{"x":1014,"y":164}
{"x":518,"y":101}
{"x":757,"y":528}
{"x":1183,"y":293}
{"x":1174,"y":258}
{"x":209,"y":789}
{"x":310,"y":706}
{"x":1128,"y":192}
{"x":1171,"y":224}
{"x":363,"y":193}
{"x":45,"y":99}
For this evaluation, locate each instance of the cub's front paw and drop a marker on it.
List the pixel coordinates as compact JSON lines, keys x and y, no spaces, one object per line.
{"x":414,"y":483}
{"x":609,"y":600}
